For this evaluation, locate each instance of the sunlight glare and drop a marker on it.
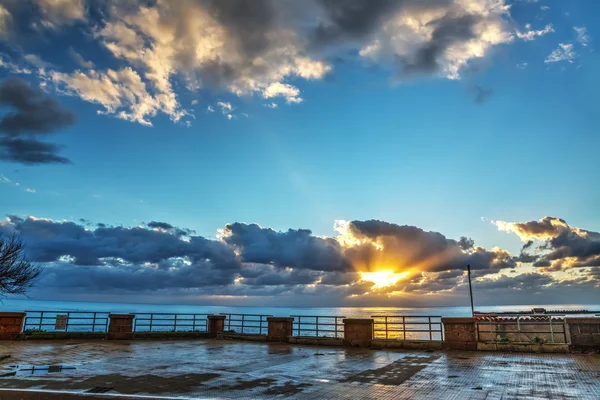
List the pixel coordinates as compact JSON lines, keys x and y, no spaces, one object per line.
{"x":382,"y":279}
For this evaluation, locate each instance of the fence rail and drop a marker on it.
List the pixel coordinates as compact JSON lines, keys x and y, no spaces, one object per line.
{"x":408,"y":327}
{"x":318,"y":326}
{"x":66,"y":321}
{"x":539,"y":329}
{"x":246,"y":323}
{"x":170,"y":322}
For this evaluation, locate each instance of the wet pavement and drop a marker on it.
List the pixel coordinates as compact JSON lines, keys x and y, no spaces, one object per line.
{"x":246,"y":370}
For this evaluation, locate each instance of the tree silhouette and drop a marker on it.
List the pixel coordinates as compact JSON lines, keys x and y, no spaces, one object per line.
{"x":17,"y":274}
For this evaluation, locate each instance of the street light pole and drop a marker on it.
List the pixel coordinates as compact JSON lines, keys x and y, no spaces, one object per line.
{"x":470,"y":290}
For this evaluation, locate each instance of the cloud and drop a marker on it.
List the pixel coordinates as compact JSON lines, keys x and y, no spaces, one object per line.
{"x":82,"y":62}
{"x":582,"y":35}
{"x":564,"y":52}
{"x":261,"y":48}
{"x":530,"y":35}
{"x":160,"y":259}
{"x":31,"y":112}
{"x":481,"y":93}
{"x":29,"y":190}
{"x":56,"y":13}
{"x":564,"y":246}
{"x":225,"y":107}
{"x":210,"y":109}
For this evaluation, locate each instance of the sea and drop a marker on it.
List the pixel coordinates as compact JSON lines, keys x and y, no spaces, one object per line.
{"x":349,"y":312}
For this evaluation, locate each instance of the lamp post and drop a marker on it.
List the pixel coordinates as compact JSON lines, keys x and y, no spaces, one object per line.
{"x":470,"y":290}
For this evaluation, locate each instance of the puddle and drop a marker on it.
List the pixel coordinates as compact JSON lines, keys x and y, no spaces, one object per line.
{"x":26,"y":370}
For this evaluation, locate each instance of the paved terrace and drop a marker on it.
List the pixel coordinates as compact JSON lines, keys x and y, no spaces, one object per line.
{"x":230,"y":369}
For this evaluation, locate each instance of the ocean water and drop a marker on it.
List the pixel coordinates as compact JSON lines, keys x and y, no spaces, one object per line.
{"x":350,"y":312}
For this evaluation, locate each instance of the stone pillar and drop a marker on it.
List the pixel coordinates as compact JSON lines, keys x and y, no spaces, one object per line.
{"x":216,"y":323}
{"x":584,"y":332}
{"x":120,"y":326}
{"x":11,"y":325}
{"x":279,"y":328}
{"x":460,"y":333}
{"x":358,"y":332}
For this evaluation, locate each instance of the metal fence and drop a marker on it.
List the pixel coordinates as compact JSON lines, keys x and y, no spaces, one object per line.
{"x":246,"y":323}
{"x":170,"y":322}
{"x":318,"y":326}
{"x":408,"y":327}
{"x":65,"y":321}
{"x":538,"y":329}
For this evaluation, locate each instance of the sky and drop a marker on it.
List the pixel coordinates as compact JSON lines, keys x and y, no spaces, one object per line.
{"x":324,"y":152}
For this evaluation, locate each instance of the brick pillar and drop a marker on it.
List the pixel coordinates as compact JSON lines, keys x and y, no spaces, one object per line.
{"x":279,"y":328}
{"x":460,"y":333}
{"x":120,"y":326}
{"x":584,"y":332}
{"x":216,"y":323}
{"x":358,"y":332}
{"x":11,"y":324}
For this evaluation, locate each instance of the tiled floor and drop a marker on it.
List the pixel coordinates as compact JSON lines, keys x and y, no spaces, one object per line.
{"x":237,"y":370}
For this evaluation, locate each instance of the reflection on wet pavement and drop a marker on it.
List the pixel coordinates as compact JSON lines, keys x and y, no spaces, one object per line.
{"x":229,"y":369}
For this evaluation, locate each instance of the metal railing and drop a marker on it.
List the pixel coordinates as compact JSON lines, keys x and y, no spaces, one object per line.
{"x":520,"y":328}
{"x":246,"y":323}
{"x":318,"y":326}
{"x":408,"y":327}
{"x":67,"y":321}
{"x":170,"y":322}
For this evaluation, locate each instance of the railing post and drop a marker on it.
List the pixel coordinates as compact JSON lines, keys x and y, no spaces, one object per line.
{"x":94,"y":322}
{"x":430,"y":333}
{"x":404,"y":327}
{"x":216,"y":323}
{"x":279,"y":329}
{"x":317,"y":325}
{"x":120,"y":327}
{"x":358,"y":332}
{"x":460,"y":333}
{"x":551,"y":330}
{"x":11,"y":325}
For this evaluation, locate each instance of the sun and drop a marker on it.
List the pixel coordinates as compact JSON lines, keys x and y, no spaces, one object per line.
{"x":382,"y":279}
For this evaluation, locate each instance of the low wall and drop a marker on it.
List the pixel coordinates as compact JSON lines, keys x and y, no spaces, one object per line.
{"x":585,"y":333}
{"x":406,"y":344}
{"x":530,"y":330}
{"x":318,"y":341}
{"x":524,"y":347}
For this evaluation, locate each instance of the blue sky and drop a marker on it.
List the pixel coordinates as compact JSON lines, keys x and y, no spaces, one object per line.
{"x":354,"y":136}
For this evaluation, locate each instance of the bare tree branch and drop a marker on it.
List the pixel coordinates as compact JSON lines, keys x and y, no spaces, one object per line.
{"x":17,"y":274}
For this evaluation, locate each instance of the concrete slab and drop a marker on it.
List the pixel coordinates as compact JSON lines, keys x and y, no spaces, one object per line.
{"x":200,"y":369}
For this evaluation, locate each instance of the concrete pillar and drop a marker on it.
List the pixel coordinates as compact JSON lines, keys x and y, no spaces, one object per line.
{"x":279,"y":328}
{"x":358,"y":332}
{"x":584,"y":333}
{"x":460,"y":333}
{"x":216,"y":323}
{"x":120,"y":326}
{"x":11,"y":325}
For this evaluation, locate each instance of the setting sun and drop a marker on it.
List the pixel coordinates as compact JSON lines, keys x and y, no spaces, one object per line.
{"x":382,"y":279}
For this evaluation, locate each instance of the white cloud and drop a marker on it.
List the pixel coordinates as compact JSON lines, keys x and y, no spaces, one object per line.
{"x":194,"y":102}
{"x":564,"y":52}
{"x":225,"y":106}
{"x":122,"y":93}
{"x":291,"y":93}
{"x":271,"y":105}
{"x":522,"y":65}
{"x":29,"y":190}
{"x":61,"y":12}
{"x":4,"y":179}
{"x":544,"y":8}
{"x":210,"y":109}
{"x":5,"y":22}
{"x":229,"y":116}
{"x":532,"y":34}
{"x":582,"y":35}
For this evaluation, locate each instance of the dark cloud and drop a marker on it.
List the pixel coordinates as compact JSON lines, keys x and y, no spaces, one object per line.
{"x":160,"y":225}
{"x":30,"y":112}
{"x":480,"y":93}
{"x":448,"y":30}
{"x":352,"y":19}
{"x":293,"y":248}
{"x":30,"y":151}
